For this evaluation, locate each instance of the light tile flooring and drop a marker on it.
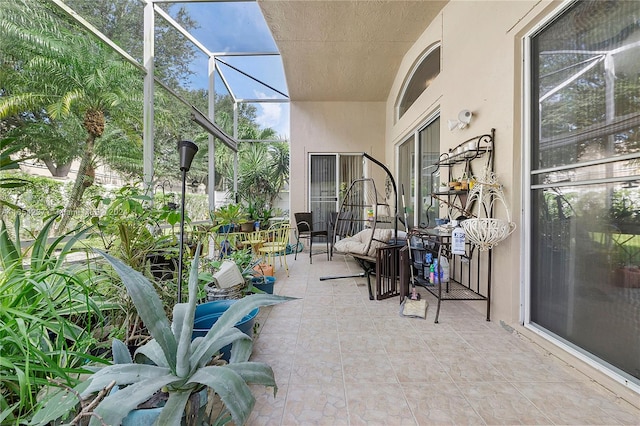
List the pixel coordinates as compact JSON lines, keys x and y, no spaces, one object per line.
{"x":341,"y":359}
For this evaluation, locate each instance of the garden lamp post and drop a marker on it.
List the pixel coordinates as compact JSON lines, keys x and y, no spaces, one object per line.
{"x":187,"y":151}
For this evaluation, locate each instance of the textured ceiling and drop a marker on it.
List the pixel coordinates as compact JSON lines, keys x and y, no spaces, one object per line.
{"x":345,"y":50}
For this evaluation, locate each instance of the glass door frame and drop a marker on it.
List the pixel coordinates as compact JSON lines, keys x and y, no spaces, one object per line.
{"x":417,"y":166}
{"x":310,"y":201}
{"x":337,"y":161}
{"x":527,"y":219}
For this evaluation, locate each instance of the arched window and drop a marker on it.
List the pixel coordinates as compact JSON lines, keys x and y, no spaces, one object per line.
{"x":420,"y":77}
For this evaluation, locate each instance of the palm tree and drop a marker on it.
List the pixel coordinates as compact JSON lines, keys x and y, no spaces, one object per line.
{"x":9,"y":147}
{"x":65,"y":73}
{"x":279,"y":166}
{"x":263,"y":170}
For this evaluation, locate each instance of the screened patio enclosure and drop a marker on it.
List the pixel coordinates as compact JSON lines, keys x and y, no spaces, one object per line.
{"x":201,"y":83}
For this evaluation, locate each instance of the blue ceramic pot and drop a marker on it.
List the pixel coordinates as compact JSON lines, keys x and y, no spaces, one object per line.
{"x":264,"y":283}
{"x":208,"y":313}
{"x":148,"y":416}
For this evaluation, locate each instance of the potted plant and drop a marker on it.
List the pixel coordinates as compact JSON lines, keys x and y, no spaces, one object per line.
{"x":131,"y":230}
{"x":173,"y":362}
{"x":262,"y":284}
{"x":247,"y":225}
{"x":263,"y":217}
{"x":245,"y":263}
{"x":229,"y":216}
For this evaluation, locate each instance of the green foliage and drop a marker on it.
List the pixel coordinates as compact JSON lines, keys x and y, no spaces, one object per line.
{"x":56,"y":143}
{"x":47,"y":306}
{"x":229,"y":214}
{"x":263,"y":170}
{"x":121,"y":21}
{"x":625,"y":207}
{"x":177,"y":363}
{"x":38,"y":199}
{"x":8,"y":147}
{"x":130,"y":227}
{"x":59,"y":81}
{"x":39,"y":196}
{"x":66,"y":74}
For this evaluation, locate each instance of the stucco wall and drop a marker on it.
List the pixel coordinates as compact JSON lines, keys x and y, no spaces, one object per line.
{"x":331,"y":127}
{"x":480,"y":71}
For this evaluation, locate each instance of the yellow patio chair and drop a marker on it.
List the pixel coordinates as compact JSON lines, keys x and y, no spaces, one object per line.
{"x":253,"y":240}
{"x":270,"y":235}
{"x":276,"y":241}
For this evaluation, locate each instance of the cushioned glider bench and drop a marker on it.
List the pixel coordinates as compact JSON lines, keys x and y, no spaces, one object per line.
{"x":387,"y":266}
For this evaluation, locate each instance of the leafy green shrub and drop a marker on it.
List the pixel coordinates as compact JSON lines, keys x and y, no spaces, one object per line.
{"x":47,"y":308}
{"x":38,"y":199}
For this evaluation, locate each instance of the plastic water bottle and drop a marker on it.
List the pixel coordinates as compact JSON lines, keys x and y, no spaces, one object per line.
{"x":444,"y":269}
{"x":428,"y":258}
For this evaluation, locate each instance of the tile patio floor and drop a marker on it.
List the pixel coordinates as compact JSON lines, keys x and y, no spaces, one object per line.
{"x":341,"y":359}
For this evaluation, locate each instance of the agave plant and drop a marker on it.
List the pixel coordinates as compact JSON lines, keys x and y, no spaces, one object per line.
{"x":180,"y":364}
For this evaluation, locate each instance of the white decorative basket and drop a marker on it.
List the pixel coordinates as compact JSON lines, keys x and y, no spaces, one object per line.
{"x":487,"y":232}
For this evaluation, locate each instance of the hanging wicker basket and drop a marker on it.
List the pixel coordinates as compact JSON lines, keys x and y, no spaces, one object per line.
{"x":487,"y":232}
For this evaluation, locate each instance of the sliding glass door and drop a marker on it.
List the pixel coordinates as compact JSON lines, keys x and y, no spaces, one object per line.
{"x":330,"y":176}
{"x":418,"y":186}
{"x":584,"y":192}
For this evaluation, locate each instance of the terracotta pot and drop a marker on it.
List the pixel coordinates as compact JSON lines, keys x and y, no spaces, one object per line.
{"x":628,"y":277}
{"x":247,"y":226}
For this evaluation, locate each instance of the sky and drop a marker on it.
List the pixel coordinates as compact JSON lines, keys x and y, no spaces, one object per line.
{"x":240,"y":27}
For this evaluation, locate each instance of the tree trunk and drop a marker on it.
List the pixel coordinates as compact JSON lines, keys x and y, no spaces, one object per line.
{"x":61,"y":170}
{"x":78,"y":186}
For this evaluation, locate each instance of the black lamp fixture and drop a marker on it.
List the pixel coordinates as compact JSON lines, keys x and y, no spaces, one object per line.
{"x":187,"y":151}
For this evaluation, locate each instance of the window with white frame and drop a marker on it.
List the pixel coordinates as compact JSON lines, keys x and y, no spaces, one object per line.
{"x":420,"y":77}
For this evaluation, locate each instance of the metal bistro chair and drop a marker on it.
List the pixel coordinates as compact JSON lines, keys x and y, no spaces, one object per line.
{"x":277,"y":240}
{"x":253,"y":240}
{"x":307,"y":229}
